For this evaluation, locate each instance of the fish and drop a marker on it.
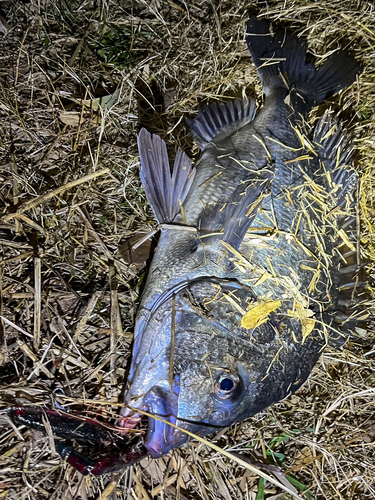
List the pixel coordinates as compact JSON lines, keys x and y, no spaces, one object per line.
{"x":257,"y":266}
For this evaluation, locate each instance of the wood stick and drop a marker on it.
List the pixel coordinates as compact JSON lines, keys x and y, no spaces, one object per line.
{"x":39,"y":200}
{"x":89,"y":309}
{"x":114,"y":321}
{"x":37,"y":301}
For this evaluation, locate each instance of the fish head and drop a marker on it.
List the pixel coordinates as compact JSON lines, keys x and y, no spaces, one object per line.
{"x":197,"y":368}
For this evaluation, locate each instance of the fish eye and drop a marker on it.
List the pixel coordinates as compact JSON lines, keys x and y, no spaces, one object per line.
{"x":227,"y":385}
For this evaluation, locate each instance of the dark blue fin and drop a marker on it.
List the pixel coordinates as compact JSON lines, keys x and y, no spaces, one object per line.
{"x":335,"y":152}
{"x":242,"y":212}
{"x":165,"y":193}
{"x":353,"y":300}
{"x":342,"y":184}
{"x":280,"y":59}
{"x":221,"y":120}
{"x":236,"y":214}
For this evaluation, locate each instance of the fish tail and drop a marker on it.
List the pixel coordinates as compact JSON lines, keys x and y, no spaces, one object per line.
{"x":280,"y":59}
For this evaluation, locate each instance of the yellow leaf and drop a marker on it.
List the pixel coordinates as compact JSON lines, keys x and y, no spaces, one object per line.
{"x":259,"y":313}
{"x":304,"y":315}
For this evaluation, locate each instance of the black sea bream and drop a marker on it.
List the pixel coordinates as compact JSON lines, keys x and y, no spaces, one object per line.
{"x":257,"y":264}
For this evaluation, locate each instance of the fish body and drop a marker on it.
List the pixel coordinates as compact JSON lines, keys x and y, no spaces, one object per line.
{"x":246,"y":284}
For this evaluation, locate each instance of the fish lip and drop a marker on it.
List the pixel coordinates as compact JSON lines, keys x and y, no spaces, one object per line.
{"x":161,"y":437}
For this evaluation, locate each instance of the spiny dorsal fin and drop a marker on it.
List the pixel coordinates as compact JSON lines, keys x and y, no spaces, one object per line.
{"x":165,"y":193}
{"x":335,"y":151}
{"x":353,"y":296}
{"x":221,"y":118}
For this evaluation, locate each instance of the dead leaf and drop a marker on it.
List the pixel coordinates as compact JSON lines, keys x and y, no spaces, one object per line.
{"x":4,"y":26}
{"x":139,"y":255}
{"x":258,"y":314}
{"x":72,"y":118}
{"x":304,"y":457}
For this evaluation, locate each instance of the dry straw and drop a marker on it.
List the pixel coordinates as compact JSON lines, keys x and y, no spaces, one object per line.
{"x":70,"y":192}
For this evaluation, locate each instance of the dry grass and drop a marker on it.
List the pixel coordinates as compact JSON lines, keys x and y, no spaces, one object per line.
{"x":68,"y":299}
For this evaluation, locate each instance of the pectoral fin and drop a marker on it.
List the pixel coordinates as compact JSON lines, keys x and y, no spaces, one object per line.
{"x":237,"y":213}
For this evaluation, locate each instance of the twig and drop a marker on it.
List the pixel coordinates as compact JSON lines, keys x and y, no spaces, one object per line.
{"x":2,"y":332}
{"x":37,"y":301}
{"x":89,"y":309}
{"x":115,"y":323}
{"x":16,"y":327}
{"x":46,"y":197}
{"x":25,"y":349}
{"x":33,"y":224}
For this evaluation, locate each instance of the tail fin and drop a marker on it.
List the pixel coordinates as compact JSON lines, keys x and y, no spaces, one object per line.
{"x":280,"y":59}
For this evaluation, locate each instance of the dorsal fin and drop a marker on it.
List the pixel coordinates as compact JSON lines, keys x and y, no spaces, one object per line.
{"x":221,"y":118}
{"x":165,"y":193}
{"x":335,"y":152}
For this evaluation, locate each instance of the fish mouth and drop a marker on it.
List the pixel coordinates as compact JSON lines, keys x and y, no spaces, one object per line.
{"x":161,"y":437}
